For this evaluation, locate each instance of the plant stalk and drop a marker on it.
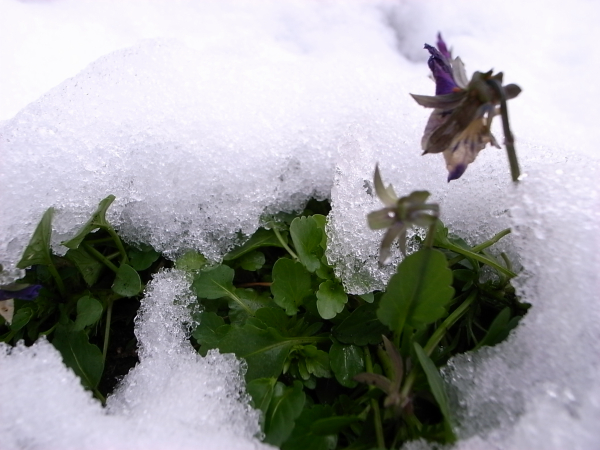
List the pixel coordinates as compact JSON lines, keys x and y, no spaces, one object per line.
{"x":436,"y":337}
{"x":374,"y":405}
{"x":481,"y":246}
{"x":100,"y":257}
{"x":283,"y":243}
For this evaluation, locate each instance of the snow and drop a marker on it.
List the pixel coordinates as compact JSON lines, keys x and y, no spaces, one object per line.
{"x":205,"y":117}
{"x":172,"y":399}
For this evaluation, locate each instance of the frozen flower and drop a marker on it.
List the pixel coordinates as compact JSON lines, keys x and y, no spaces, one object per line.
{"x":399,"y":215}
{"x":459,"y":126}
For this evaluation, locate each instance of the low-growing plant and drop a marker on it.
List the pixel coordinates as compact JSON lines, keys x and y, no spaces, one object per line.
{"x":328,"y":369}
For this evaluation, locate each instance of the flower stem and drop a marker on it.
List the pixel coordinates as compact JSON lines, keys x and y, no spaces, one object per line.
{"x":374,"y":404}
{"x":100,"y":257}
{"x":107,"y":330}
{"x":58,"y":279}
{"x":283,"y":243}
{"x":509,"y":140}
{"x":113,"y":234}
{"x":435,"y":338}
{"x":480,"y":258}
{"x":481,"y":247}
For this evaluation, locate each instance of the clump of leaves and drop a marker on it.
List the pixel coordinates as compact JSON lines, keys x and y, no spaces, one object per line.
{"x":86,"y":296}
{"x":333,"y":370}
{"x":327,"y":369}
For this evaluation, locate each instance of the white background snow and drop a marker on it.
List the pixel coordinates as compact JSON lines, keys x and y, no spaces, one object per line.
{"x":203,"y":116}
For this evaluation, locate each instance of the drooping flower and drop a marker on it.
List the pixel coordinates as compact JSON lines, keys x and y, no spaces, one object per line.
{"x":399,"y":215}
{"x":459,"y":126}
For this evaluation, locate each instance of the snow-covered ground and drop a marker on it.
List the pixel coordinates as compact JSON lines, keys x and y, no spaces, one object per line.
{"x":202,"y":116}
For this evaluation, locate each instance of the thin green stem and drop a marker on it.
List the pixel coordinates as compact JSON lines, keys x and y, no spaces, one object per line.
{"x":58,"y":279}
{"x":480,"y":258}
{"x":107,"y":330}
{"x":481,"y":246}
{"x":119,"y":244}
{"x":438,"y":334}
{"x":435,"y":338}
{"x":509,"y":140}
{"x":430,"y":235}
{"x":283,"y":243}
{"x":112,"y":255}
{"x":374,"y":405}
{"x":100,"y":257}
{"x":99,"y":396}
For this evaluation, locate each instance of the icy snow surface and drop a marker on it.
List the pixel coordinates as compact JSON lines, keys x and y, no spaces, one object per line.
{"x":173,"y":398}
{"x":202,"y":117}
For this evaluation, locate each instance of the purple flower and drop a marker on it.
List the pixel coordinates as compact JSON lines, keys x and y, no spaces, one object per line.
{"x":441,"y":45}
{"x":459,"y":126}
{"x":20,"y":291}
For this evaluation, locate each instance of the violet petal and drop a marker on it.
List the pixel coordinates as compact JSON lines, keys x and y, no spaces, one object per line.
{"x":442,"y":72}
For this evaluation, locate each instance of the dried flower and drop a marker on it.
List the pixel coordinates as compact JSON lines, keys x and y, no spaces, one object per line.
{"x":459,"y":126}
{"x":399,"y":215}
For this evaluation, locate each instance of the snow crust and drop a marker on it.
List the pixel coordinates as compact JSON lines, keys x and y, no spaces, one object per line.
{"x":173,"y":398}
{"x":205,"y":117}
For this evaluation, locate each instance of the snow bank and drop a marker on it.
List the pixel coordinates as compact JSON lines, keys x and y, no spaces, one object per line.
{"x":232,"y":111}
{"x":173,"y":398}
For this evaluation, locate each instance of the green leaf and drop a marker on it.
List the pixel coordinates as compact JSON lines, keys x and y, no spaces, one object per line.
{"x":261,"y":390}
{"x":286,"y":405}
{"x":245,"y":302}
{"x":291,"y":283}
{"x":316,"y":361}
{"x":84,"y":358}
{"x":215,"y":283}
{"x":347,"y":361}
{"x":499,"y":329}
{"x":264,"y":350}
{"x":262,"y":238}
{"x":361,"y":327}
{"x":98,"y":220}
{"x":127,"y":282}
{"x":303,"y":437}
{"x":89,"y":267}
{"x":418,"y":294}
{"x":332,"y":425}
{"x":191,"y":261}
{"x":273,"y":317}
{"x":307,"y":236}
{"x":436,"y":385}
{"x":38,"y":249}
{"x":331,"y":299}
{"x":142,"y":259}
{"x":21,"y":318}
{"x":252,"y":261}
{"x":369,"y":297}
{"x":89,"y":311}
{"x":210,"y":331}
{"x":321,"y":221}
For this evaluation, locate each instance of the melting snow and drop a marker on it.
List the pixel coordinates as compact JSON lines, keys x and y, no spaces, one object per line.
{"x":203,"y":117}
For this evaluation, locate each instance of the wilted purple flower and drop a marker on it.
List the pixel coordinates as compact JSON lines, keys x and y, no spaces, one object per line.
{"x":20,"y":291}
{"x":399,"y":215}
{"x":459,"y":126}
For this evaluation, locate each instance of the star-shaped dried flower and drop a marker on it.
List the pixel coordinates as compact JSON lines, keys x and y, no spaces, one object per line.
{"x":399,"y":215}
{"x":459,"y":126}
